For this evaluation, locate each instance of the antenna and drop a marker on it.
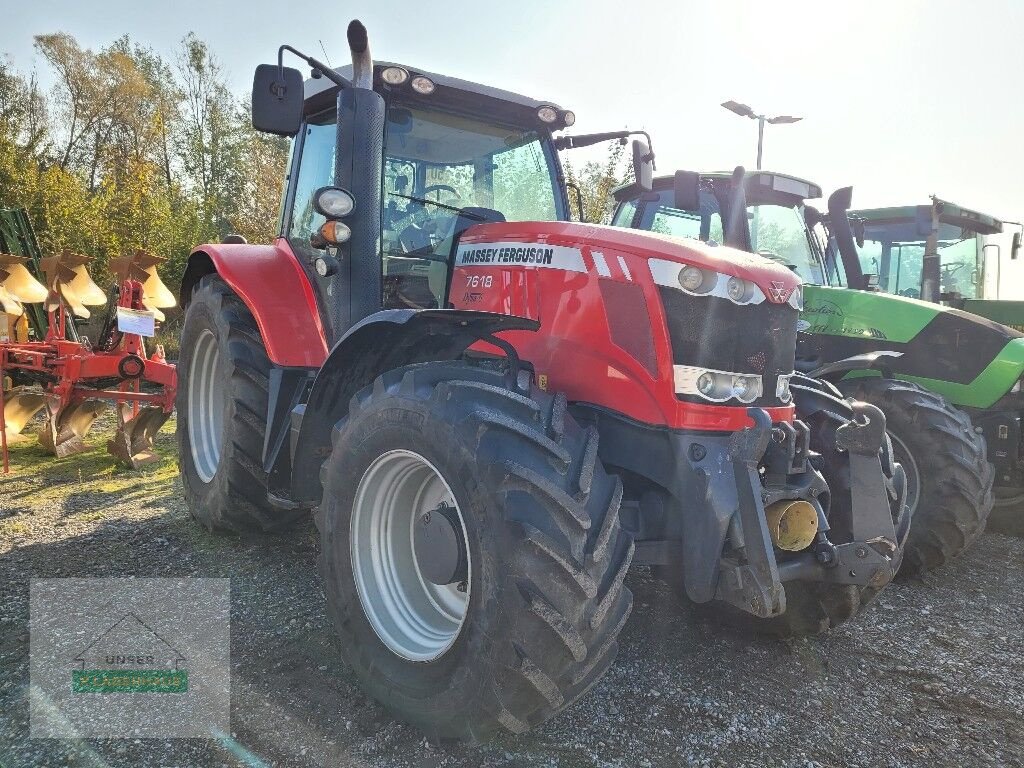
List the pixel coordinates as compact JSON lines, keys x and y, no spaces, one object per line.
{"x":325,"y":52}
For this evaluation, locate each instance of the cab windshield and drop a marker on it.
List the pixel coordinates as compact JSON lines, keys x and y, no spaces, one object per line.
{"x":899,"y":264}
{"x":437,"y":164}
{"x":779,"y":233}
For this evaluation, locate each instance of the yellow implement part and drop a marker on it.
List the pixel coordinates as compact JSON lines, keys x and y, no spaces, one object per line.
{"x":133,"y":441}
{"x":20,"y":406}
{"x":65,"y":430}
{"x":68,"y":278}
{"x":141,"y":266}
{"x":792,"y":524}
{"x":18,"y":283}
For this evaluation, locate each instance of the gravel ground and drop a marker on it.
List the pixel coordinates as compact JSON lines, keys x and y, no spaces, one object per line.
{"x":931,"y":675}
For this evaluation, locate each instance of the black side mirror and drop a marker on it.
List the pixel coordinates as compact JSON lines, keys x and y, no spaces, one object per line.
{"x":277,"y":96}
{"x":687,"y":191}
{"x":1015,"y":248}
{"x":643,"y":165}
{"x":858,"y":231}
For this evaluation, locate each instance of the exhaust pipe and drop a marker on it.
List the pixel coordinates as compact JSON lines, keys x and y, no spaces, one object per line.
{"x":792,"y":524}
{"x":362,"y":62}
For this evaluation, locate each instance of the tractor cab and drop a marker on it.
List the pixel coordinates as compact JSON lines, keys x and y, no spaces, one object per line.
{"x":454,"y":153}
{"x":936,"y":251}
{"x":774,"y":224}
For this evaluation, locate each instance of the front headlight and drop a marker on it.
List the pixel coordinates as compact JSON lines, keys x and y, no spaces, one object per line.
{"x":705,"y":282}
{"x":717,"y":386}
{"x":782,"y":390}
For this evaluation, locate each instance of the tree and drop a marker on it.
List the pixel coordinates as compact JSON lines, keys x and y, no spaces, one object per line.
{"x":211,"y":146}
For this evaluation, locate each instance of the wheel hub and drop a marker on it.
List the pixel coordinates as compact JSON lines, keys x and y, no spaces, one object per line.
{"x":439,"y":547}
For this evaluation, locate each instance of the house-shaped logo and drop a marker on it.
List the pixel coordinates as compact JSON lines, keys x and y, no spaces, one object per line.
{"x":130,"y":657}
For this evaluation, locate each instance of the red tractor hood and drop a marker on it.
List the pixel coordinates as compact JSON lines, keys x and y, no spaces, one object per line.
{"x":777,"y":282}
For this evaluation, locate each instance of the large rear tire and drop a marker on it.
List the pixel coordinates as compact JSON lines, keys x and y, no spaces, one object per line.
{"x":949,"y":477}
{"x":222,"y":410}
{"x":531,"y":622}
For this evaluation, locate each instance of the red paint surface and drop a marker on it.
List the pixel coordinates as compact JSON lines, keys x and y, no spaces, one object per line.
{"x":271,"y":283}
{"x":573,"y":347}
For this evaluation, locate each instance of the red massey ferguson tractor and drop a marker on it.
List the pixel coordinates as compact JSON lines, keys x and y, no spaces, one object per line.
{"x":494,"y":411}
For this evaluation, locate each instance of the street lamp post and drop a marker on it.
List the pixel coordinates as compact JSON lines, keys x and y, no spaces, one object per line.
{"x":744,"y":111}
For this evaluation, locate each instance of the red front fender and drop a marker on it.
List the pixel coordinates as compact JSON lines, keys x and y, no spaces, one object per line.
{"x":271,"y":283}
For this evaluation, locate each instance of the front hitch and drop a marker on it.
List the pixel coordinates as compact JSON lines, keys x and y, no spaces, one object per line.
{"x":874,"y":555}
{"x":751,"y":582}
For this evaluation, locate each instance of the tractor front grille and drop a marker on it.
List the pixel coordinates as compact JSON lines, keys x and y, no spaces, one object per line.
{"x":711,"y":332}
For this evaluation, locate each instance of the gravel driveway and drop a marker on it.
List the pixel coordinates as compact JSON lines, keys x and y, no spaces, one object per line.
{"x":931,"y":675}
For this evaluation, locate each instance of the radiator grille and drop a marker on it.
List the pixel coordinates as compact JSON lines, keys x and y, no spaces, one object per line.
{"x":711,"y":332}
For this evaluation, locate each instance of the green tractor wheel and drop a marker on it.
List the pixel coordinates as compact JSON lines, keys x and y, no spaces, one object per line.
{"x":949,"y":478}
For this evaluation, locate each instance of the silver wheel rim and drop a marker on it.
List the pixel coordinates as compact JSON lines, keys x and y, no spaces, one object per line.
{"x":416,"y":619}
{"x":906,"y":458}
{"x":206,"y":403}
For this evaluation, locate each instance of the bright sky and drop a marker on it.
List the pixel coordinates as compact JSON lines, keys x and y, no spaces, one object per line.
{"x":900,"y":98}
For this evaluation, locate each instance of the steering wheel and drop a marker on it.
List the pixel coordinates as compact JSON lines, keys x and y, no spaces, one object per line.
{"x":441,"y":188}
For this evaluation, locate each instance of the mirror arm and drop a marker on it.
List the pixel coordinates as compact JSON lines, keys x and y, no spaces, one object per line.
{"x":589,"y":139}
{"x":319,"y":66}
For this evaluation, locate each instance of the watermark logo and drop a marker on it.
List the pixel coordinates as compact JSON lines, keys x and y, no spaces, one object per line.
{"x":130,"y":657}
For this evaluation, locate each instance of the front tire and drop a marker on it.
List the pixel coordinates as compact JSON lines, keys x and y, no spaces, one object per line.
{"x":544,"y":563}
{"x":221,"y":403}
{"x":949,"y":477}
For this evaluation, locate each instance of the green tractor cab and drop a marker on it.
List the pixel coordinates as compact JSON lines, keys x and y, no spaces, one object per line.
{"x":940,"y":252}
{"x":940,"y":374}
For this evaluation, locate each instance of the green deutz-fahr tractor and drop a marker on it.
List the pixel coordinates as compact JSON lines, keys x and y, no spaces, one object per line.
{"x":949,"y":381}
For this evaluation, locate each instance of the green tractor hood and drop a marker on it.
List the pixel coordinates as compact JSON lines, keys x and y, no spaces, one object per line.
{"x":970,"y":360}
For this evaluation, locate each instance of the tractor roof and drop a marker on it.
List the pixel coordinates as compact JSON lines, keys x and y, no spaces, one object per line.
{"x":914,"y":222}
{"x":452,"y":91}
{"x":762,"y":187}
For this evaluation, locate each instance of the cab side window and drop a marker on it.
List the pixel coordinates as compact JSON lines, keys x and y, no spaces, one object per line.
{"x":316,"y":169}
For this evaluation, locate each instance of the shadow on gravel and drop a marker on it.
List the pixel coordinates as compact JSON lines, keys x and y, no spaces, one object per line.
{"x":931,"y":671}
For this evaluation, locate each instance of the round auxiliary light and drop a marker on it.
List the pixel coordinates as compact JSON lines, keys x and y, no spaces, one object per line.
{"x":569,"y":118}
{"x":736,"y":288}
{"x":334,"y":203}
{"x":691,"y":278}
{"x":706,"y":384}
{"x":547,"y":114}
{"x":394,"y":75}
{"x":335,"y":232}
{"x":742,"y":388}
{"x":423,"y":85}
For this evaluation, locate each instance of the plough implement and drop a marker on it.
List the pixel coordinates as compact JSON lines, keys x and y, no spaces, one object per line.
{"x":73,"y":379}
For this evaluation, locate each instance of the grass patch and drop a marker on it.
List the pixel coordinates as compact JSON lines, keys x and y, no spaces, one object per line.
{"x":36,"y":476}
{"x":13,"y":527}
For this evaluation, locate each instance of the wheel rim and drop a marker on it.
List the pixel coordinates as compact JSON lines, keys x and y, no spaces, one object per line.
{"x":206,"y":403}
{"x":416,"y":619}
{"x":906,"y":458}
